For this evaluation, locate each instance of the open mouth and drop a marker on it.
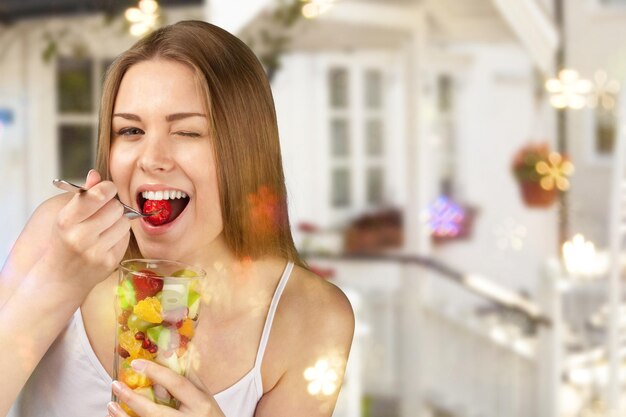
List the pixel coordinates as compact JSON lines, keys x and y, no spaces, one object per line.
{"x":167,"y":205}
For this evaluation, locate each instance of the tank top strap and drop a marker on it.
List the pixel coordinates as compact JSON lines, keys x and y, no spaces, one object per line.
{"x":271,"y":313}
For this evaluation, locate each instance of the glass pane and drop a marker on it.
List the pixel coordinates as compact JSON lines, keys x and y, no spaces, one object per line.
{"x":75,"y":150}
{"x":373,"y":89}
{"x":444,"y":93}
{"x":74,"y":85}
{"x":605,"y":131}
{"x":374,"y":137}
{"x":338,"y":87}
{"x":341,"y":187}
{"x":375,"y":181}
{"x":340,"y":138}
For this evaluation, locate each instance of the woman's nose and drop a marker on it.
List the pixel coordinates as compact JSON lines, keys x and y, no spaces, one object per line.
{"x":155,"y":155}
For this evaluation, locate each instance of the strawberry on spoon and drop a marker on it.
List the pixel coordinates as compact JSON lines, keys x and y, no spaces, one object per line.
{"x":161,"y":209}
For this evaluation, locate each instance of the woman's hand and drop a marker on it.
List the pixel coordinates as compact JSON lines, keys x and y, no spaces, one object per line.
{"x":193,"y":401}
{"x":90,"y":236}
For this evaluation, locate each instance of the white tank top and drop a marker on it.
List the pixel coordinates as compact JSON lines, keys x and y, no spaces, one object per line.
{"x":84,"y":388}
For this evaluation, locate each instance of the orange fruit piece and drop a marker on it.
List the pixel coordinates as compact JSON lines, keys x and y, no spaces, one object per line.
{"x":187,"y":329}
{"x":128,"y":342}
{"x":132,"y":378}
{"x":149,"y":309}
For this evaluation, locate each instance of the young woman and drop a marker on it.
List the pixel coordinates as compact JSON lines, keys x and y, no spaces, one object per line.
{"x":187,"y":109}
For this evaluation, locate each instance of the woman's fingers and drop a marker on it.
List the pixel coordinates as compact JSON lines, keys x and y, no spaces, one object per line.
{"x":84,"y":205}
{"x":180,"y":387}
{"x":138,"y":403}
{"x":93,"y":177}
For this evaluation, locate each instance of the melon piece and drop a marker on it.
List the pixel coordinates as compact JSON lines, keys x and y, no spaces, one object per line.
{"x":194,"y":304}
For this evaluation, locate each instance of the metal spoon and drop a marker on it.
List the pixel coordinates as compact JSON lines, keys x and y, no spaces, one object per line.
{"x":129,"y":212}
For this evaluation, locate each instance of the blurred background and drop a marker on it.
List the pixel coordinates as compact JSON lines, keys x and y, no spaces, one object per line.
{"x":453,"y":165}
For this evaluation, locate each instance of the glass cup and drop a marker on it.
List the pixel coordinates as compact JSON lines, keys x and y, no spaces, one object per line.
{"x":157,"y":303}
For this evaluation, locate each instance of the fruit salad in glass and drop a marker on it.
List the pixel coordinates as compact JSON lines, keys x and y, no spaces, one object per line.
{"x":157,"y":303}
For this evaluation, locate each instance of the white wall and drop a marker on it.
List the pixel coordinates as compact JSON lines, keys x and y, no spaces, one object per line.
{"x":595,"y":37}
{"x":496,"y":114}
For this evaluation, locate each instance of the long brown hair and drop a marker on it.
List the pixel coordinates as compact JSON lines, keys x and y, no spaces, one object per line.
{"x":243,"y":128}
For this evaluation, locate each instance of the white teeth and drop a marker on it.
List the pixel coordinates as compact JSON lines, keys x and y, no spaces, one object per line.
{"x":163,"y":195}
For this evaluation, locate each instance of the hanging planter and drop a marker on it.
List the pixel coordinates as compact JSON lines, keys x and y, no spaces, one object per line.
{"x":535,"y":196}
{"x":541,"y":174}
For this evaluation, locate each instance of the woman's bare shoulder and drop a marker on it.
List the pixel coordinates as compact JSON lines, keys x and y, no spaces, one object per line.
{"x":315,"y":322}
{"x":319,"y":313}
{"x":30,"y":244}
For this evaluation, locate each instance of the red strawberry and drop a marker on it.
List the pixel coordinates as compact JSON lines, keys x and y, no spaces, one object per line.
{"x":145,"y":285}
{"x":155,"y":205}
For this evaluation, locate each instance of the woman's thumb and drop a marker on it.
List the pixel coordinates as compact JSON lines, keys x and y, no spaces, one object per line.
{"x":93,"y":177}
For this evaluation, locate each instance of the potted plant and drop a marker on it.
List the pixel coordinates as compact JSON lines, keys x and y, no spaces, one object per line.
{"x":541,"y":174}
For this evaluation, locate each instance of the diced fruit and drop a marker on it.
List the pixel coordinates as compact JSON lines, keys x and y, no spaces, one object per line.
{"x":123,"y":317}
{"x":162,"y":216}
{"x":154,"y":332}
{"x":175,"y":294}
{"x":176,"y":315}
{"x":166,"y":338}
{"x":149,"y":309}
{"x":122,"y":352}
{"x":144,"y":354}
{"x":185,"y":273}
{"x":126,"y":295}
{"x":148,"y":284}
{"x":132,"y":378}
{"x":145,"y":344}
{"x":187,"y":330}
{"x":128,"y":342}
{"x":153,"y":349}
{"x":194,"y":304}
{"x":140,"y":336}
{"x":135,"y":323}
{"x":171,"y":361}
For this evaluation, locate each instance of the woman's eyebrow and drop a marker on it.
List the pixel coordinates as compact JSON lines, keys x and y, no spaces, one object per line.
{"x":169,"y":117}
{"x":178,"y":116}
{"x":128,"y":116}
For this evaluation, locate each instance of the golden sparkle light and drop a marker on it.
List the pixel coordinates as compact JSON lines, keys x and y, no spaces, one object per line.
{"x":605,"y":91}
{"x":568,"y":90}
{"x":579,"y":256}
{"x":314,"y":8}
{"x":142,"y":18}
{"x":323,"y":379}
{"x":554,"y":172}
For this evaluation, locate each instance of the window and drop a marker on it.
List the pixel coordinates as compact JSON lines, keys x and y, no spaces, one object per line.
{"x":78,"y":86}
{"x":356,"y":131}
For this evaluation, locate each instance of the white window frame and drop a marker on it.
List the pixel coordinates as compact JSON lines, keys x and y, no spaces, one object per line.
{"x":388,"y":63}
{"x":80,"y":119}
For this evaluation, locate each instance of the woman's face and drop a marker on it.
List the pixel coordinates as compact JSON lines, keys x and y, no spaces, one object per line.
{"x":161,"y":151}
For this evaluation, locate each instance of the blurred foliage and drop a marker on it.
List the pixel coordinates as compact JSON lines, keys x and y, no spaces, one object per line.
{"x":273,"y":39}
